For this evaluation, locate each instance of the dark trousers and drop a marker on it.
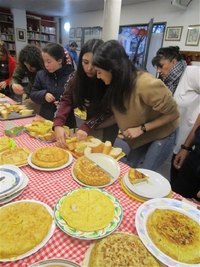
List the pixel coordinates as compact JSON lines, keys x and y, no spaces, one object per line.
{"x":186,"y":181}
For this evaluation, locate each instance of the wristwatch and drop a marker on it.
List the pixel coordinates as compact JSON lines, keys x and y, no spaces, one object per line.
{"x":143,"y":128}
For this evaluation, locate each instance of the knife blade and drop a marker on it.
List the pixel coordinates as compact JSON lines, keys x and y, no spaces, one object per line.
{"x":96,"y":164}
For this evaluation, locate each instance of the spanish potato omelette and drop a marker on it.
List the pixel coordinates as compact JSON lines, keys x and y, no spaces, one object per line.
{"x":23,"y":225}
{"x":175,"y":234}
{"x":87,"y":210}
{"x":49,"y":157}
{"x":121,"y":249}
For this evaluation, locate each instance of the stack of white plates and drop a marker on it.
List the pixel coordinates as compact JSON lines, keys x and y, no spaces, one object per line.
{"x":12,"y":182}
{"x":157,"y":186}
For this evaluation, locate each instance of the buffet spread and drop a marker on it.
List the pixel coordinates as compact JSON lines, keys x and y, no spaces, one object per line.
{"x":63,"y":208}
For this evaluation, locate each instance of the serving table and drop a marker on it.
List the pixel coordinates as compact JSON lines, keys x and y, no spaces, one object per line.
{"x":48,"y":187}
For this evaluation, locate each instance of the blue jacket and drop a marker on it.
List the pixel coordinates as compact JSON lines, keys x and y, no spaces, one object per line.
{"x":73,"y":54}
{"x":53,"y":83}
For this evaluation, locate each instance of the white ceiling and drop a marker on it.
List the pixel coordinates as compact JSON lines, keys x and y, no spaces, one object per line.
{"x":60,"y":8}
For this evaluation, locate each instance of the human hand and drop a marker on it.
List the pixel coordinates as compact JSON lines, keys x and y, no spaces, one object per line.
{"x":49,"y":97}
{"x":179,"y":158}
{"x":3,"y":85}
{"x":81,"y":135}
{"x":61,"y":135}
{"x":17,"y":89}
{"x":132,"y":132}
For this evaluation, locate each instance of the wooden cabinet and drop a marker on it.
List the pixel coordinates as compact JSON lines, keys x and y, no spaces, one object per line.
{"x":40,"y":30}
{"x":7,"y":32}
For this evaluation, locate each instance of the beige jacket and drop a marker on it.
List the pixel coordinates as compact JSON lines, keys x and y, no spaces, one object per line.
{"x":149,"y":100}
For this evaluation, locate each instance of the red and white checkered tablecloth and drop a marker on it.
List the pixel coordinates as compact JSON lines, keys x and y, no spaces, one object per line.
{"x":48,"y":187}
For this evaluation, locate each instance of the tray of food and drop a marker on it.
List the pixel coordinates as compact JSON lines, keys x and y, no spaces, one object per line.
{"x":14,"y":111}
{"x":93,"y":145}
{"x":41,"y":129}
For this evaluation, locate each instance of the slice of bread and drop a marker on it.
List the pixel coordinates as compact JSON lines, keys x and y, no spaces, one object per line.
{"x":136,"y":176}
{"x":115,"y":152}
{"x":96,"y":145}
{"x":107,"y":147}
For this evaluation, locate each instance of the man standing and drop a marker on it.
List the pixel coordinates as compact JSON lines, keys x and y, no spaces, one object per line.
{"x":71,"y":48}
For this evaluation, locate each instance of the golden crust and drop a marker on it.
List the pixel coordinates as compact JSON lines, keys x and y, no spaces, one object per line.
{"x":87,"y":210}
{"x":16,"y":156}
{"x":136,"y":176}
{"x":88,"y":173}
{"x":175,"y":234}
{"x":121,"y":249}
{"x":49,"y":157}
{"x":23,"y":226}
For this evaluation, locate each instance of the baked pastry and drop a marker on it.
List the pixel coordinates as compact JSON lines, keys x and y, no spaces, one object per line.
{"x":49,"y":157}
{"x":121,"y":249}
{"x":16,"y":156}
{"x":87,"y":210}
{"x":89,"y":173}
{"x":136,"y":176}
{"x":23,"y":226}
{"x":4,"y":143}
{"x":175,"y":234}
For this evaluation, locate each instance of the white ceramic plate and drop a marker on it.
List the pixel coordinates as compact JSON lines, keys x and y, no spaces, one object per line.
{"x":162,"y":203}
{"x":12,"y":179}
{"x":7,"y":198}
{"x":108,"y":163}
{"x":113,"y":225}
{"x":44,"y":241}
{"x":156,"y":187}
{"x":51,"y":169}
{"x":55,"y":262}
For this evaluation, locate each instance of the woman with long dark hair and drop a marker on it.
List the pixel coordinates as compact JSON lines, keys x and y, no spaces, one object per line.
{"x":143,"y":106}
{"x":85,"y":91}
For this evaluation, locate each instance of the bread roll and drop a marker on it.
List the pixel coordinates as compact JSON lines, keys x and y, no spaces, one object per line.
{"x":107,"y":147}
{"x":80,"y":147}
{"x":49,"y":136}
{"x":115,"y":152}
{"x":96,"y":145}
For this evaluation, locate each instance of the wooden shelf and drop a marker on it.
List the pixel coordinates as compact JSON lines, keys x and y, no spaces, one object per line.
{"x":7,"y":30}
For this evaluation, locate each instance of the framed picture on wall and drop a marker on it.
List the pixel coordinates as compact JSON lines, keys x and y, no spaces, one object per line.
{"x":21,"y":35}
{"x":72,"y":33}
{"x":193,"y":35}
{"x":78,"y":32}
{"x":173,"y":33}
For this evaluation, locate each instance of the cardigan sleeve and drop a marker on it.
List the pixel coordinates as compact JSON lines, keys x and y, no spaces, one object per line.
{"x":11,"y":68}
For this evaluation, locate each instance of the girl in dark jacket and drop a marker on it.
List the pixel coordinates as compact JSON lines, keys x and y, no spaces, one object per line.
{"x":49,"y":82}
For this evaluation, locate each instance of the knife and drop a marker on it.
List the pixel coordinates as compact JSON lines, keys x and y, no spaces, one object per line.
{"x":96,"y":164}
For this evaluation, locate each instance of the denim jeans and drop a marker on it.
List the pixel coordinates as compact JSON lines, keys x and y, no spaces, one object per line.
{"x":152,"y":155}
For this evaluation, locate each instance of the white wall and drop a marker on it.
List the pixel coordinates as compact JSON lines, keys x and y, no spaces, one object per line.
{"x":160,"y":10}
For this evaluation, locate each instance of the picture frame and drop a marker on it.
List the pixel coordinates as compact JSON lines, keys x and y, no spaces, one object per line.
{"x":72,"y":33}
{"x":78,"y":32}
{"x":21,"y":35}
{"x":193,"y":35}
{"x":173,"y":33}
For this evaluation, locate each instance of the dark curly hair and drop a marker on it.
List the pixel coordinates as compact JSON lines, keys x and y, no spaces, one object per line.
{"x":30,"y":54}
{"x":169,"y":53}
